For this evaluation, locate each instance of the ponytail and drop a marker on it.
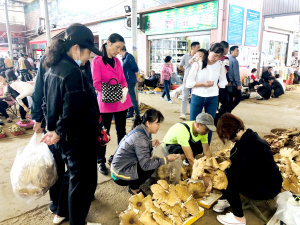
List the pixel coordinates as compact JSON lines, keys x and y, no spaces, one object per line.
{"x":56,"y":51}
{"x":204,"y":60}
{"x":104,"y":56}
{"x":151,"y":115}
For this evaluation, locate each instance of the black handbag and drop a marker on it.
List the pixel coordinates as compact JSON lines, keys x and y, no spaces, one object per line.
{"x":111,"y":93}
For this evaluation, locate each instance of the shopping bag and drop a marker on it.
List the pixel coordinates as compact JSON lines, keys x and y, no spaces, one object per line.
{"x":170,"y":172}
{"x":288,"y":210}
{"x":34,"y":170}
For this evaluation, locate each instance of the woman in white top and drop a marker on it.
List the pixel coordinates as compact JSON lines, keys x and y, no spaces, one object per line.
{"x":205,"y":78}
{"x":19,"y":91}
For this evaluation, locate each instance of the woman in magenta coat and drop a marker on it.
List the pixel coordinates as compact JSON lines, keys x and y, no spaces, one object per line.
{"x":105,"y":68}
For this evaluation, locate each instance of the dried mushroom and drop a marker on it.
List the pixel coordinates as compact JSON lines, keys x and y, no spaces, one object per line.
{"x":220,"y":181}
{"x":129,"y":217}
{"x":136,"y":203}
{"x":197,"y":189}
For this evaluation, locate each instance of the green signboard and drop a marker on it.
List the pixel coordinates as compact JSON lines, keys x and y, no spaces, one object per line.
{"x":201,"y":16}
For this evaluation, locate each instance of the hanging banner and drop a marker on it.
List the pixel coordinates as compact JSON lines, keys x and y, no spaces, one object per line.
{"x":235,"y":26}
{"x":252,"y":28}
{"x":189,"y":18}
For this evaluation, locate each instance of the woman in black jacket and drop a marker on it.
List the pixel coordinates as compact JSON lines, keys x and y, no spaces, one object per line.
{"x":253,"y":172}
{"x":72,"y":114}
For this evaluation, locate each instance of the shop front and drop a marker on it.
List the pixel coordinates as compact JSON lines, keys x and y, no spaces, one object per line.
{"x":38,"y":45}
{"x":17,"y":43}
{"x":275,"y":48}
{"x":171,"y":32}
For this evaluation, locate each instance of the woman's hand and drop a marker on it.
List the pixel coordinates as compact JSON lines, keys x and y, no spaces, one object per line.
{"x":155,"y":143}
{"x":208,"y":83}
{"x":172,"y":157}
{"x":50,"y":138}
{"x":37,"y":127}
{"x":208,"y":184}
{"x":25,"y":108}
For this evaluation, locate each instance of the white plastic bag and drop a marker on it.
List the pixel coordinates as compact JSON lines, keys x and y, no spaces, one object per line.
{"x":159,"y":151}
{"x":170,"y":172}
{"x":33,"y":171}
{"x":288,"y":210}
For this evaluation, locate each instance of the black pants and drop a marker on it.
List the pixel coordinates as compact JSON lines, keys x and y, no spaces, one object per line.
{"x":55,"y":190}
{"x":234,"y":98}
{"x":3,"y":107}
{"x":81,"y":177}
{"x":224,"y":100}
{"x":177,"y":149}
{"x":21,"y":109}
{"x":150,"y":83}
{"x":25,"y":75}
{"x":254,"y":83}
{"x":253,"y":191}
{"x":135,"y":184}
{"x":120,"y":122}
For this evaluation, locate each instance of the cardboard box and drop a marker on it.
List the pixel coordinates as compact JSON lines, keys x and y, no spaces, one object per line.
{"x":210,"y":200}
{"x":193,"y":219}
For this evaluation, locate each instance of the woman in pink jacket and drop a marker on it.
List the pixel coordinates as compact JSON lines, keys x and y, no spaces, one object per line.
{"x":104,"y":68}
{"x":166,"y":74}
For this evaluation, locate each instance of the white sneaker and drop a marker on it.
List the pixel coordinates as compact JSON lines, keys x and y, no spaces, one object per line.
{"x":162,"y":98}
{"x":58,"y":220}
{"x":170,"y":101}
{"x":182,"y":116}
{"x":221,"y":206}
{"x":229,"y":219}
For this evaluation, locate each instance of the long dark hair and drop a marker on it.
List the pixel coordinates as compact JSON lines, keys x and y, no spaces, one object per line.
{"x":113,"y":38}
{"x":151,"y":115}
{"x":57,"y":50}
{"x":11,"y":77}
{"x":216,"y":48}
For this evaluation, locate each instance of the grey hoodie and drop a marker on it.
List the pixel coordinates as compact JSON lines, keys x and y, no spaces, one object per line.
{"x":133,"y":149}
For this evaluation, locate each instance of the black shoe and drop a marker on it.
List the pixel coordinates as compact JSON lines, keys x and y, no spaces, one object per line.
{"x":110,"y":159}
{"x":102,"y":169}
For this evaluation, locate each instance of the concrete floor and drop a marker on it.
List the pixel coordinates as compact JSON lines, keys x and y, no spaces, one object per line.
{"x":261,"y":116}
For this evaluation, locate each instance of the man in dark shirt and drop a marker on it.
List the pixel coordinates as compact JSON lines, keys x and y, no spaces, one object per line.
{"x":223,"y":92}
{"x":267,"y":74}
{"x":131,"y":73}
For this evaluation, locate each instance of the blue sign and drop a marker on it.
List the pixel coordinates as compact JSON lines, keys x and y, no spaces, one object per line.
{"x":235,"y":26}
{"x":252,"y":28}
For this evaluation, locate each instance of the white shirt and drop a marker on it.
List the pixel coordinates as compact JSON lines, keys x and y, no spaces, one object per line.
{"x":215,"y":72}
{"x":280,"y":80}
{"x":24,"y":89}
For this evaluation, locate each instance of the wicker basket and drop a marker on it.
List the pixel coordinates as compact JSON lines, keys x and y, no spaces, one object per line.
{"x":275,"y":130}
{"x":270,"y":136}
{"x":17,"y":133}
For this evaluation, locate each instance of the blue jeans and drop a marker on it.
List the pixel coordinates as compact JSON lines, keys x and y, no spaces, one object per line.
{"x":135,"y":104}
{"x":166,"y":89}
{"x":210,"y":105}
